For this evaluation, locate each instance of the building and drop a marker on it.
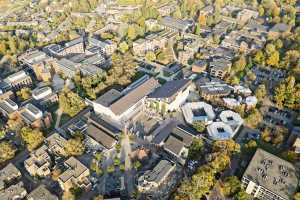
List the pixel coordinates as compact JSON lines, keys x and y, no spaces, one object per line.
{"x":8,"y":175}
{"x":212,"y":90}
{"x":220,"y":68}
{"x":176,"y":24}
{"x":269,"y":177}
{"x":220,"y":131}
{"x":41,"y":193}
{"x":16,"y":191}
{"x":122,"y":106}
{"x":106,"y":47}
{"x":166,"y":10}
{"x":44,"y":96}
{"x":31,"y":115}
{"x":75,"y":175}
{"x":56,"y":144}
{"x":245,"y":15}
{"x":199,"y":66}
{"x":19,"y":80}
{"x":66,"y":67}
{"x":279,"y":29}
{"x":100,"y":134}
{"x":171,"y":95}
{"x":8,"y":107}
{"x":231,"y":118}
{"x":152,"y":179}
{"x":39,"y":162}
{"x":198,"y":111}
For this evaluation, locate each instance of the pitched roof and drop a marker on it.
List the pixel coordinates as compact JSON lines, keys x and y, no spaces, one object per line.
{"x":101,"y":136}
{"x":134,"y":96}
{"x":170,"y":88}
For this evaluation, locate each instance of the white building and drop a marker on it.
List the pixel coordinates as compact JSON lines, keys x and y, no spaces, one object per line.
{"x":171,"y":95}
{"x":220,"y":131}
{"x":231,"y":118}
{"x":41,"y":93}
{"x":122,"y":106}
{"x":198,"y":111}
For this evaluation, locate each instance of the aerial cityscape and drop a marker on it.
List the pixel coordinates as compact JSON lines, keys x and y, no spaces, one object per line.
{"x":149,"y":99}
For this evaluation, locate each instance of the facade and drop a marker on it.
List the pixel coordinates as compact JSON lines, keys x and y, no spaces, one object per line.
{"x":214,"y":90}
{"x":220,"y":68}
{"x":8,"y":107}
{"x":170,"y":96}
{"x":152,"y":179}
{"x":39,"y":162}
{"x":199,"y":66}
{"x":19,"y":80}
{"x":75,"y":175}
{"x":269,"y":177}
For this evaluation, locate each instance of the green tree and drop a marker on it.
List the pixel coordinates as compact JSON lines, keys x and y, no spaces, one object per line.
{"x":74,"y":147}
{"x":231,"y":185}
{"x":199,"y":185}
{"x":24,"y":93}
{"x":32,"y":137}
{"x":199,"y":126}
{"x":137,"y":164}
{"x":123,"y":47}
{"x":7,"y":151}
{"x":150,"y":56}
{"x":261,"y":92}
{"x":196,"y":148}
{"x":241,"y":195}
{"x":70,"y":102}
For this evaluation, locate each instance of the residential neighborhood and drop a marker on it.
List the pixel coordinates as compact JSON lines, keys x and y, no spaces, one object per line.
{"x":140,"y":100}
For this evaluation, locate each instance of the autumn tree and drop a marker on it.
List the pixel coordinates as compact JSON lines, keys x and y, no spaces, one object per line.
{"x":199,"y":126}
{"x":261,"y":92}
{"x":74,"y":147}
{"x":7,"y":151}
{"x":32,"y":137}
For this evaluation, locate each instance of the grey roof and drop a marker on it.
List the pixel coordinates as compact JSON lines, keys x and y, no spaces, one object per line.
{"x":125,"y":102}
{"x":281,"y":27}
{"x":266,"y":169}
{"x":170,"y":88}
{"x":109,"y":97}
{"x":101,"y":136}
{"x":74,"y":42}
{"x":7,"y":173}
{"x":174,"y":145}
{"x":41,"y":193}
{"x":13,"y":192}
{"x":158,"y":172}
{"x":6,"y":108}
{"x":180,"y":25}
{"x":75,"y":169}
{"x":65,"y":63}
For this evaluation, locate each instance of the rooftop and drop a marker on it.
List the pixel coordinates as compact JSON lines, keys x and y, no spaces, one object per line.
{"x":109,"y":97}
{"x":170,"y":88}
{"x":220,"y":131}
{"x":198,"y":111}
{"x":273,"y":173}
{"x":41,"y":193}
{"x":8,"y":172}
{"x":75,"y":169}
{"x":16,"y":191}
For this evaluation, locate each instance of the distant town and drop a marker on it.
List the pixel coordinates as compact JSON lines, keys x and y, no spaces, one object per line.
{"x":149,"y":100}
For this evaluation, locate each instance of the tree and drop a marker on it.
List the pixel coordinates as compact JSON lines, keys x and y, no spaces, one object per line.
{"x":273,"y":59}
{"x":32,"y":137}
{"x":251,"y":145}
{"x":150,"y":56}
{"x":241,"y":195}
{"x":199,"y":126}
{"x":196,"y":148}
{"x":202,"y":20}
{"x":131,"y":32}
{"x":67,"y":195}
{"x":231,"y":185}
{"x":297,"y":196}
{"x":123,"y":47}
{"x":240,"y":64}
{"x":228,"y":146}
{"x":261,"y":92}
{"x":199,"y":185}
{"x":137,"y":164}
{"x":24,"y":93}
{"x":74,"y":147}
{"x":111,"y":169}
{"x":70,"y":102}
{"x":7,"y":151}
{"x":254,"y":118}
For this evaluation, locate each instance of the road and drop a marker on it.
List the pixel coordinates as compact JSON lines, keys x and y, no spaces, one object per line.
{"x":125,"y":155}
{"x":58,"y":117}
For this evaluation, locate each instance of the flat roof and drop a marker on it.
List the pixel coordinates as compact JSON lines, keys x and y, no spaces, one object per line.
{"x":273,"y":173}
{"x":100,"y":136}
{"x":109,"y":97}
{"x":41,"y":193}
